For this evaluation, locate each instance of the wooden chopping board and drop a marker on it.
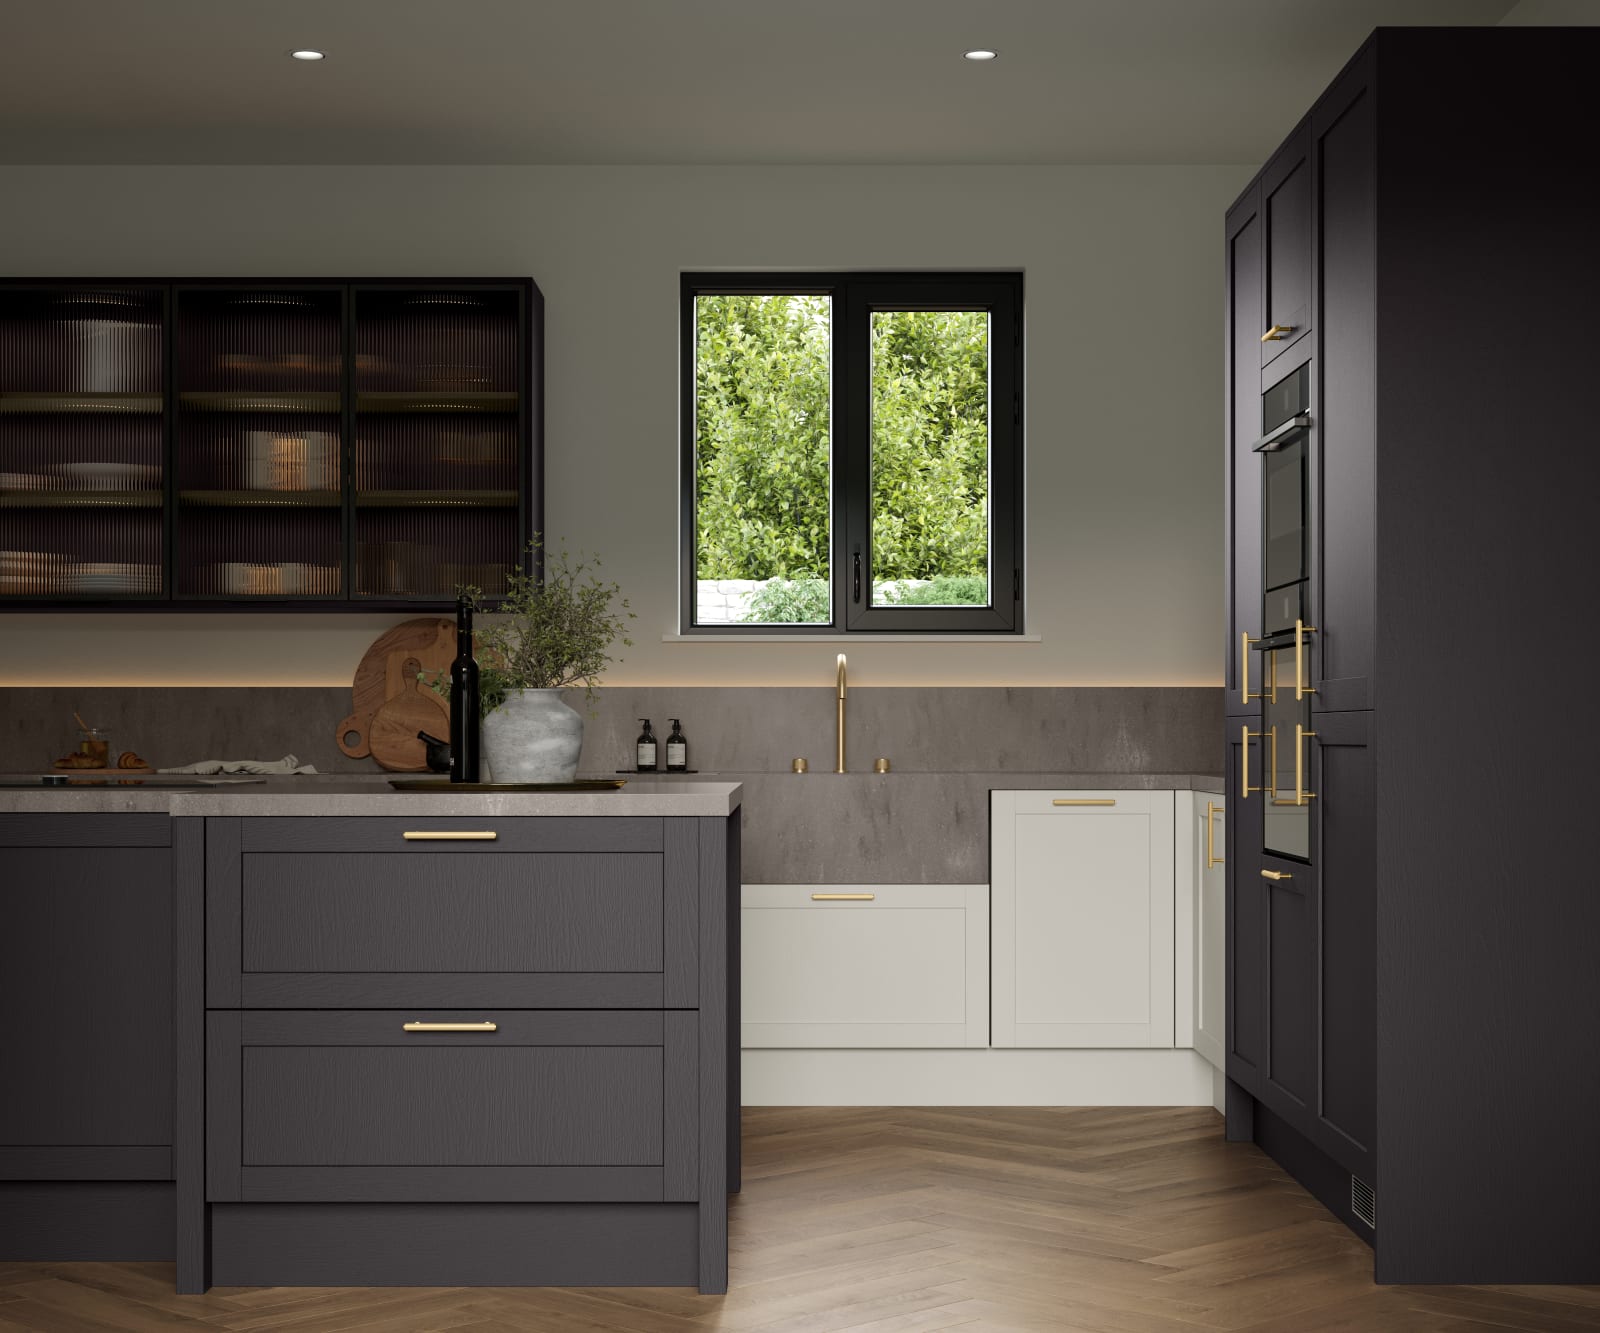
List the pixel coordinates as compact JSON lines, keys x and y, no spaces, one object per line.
{"x":390,"y":704}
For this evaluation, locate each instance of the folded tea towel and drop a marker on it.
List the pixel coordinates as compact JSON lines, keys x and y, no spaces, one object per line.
{"x":288,"y":764}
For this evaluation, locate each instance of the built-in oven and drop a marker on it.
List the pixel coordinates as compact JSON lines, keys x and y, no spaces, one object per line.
{"x":1282,"y":664}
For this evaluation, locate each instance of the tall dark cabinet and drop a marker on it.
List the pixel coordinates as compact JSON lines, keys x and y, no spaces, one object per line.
{"x":1413,"y":925}
{"x":301,"y":444}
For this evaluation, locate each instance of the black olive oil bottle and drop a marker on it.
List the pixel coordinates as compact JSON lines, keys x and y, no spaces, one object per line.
{"x":464,"y":718}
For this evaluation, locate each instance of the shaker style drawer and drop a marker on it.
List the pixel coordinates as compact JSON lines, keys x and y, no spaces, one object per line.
{"x":412,"y":1105}
{"x":874,"y":965}
{"x":381,"y":923}
{"x":432,"y":835}
{"x":387,"y":912}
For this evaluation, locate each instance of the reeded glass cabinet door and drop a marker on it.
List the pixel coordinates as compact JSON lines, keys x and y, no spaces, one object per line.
{"x":258,"y":448}
{"x":438,"y":462}
{"x":82,"y":443}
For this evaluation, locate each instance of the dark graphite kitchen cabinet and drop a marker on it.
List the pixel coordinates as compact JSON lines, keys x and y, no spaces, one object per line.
{"x":86,"y":1047}
{"x":1412,"y":921}
{"x":1285,"y":190}
{"x":298,"y":444}
{"x":456,"y":1050}
{"x":1243,"y":427}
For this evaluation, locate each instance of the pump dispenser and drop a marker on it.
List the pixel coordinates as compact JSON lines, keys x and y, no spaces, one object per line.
{"x":646,"y":760}
{"x":677,"y":748}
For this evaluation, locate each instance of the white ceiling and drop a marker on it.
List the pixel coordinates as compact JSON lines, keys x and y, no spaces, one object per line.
{"x":675,"y":81}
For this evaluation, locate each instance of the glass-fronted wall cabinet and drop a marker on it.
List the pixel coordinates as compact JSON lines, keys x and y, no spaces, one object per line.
{"x":439,"y":412}
{"x":256,"y":442}
{"x":82,"y":442}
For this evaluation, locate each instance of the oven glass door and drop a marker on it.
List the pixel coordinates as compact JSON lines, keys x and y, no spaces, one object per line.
{"x":1284,"y":451}
{"x":1286,"y":809}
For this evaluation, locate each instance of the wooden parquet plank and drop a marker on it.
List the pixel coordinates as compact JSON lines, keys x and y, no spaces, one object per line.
{"x":908,"y":1220}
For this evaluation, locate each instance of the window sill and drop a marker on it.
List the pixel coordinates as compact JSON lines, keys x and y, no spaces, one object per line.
{"x":852,"y":638}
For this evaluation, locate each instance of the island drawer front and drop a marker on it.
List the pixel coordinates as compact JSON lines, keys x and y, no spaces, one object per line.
{"x":350,"y":1106}
{"x":434,"y":835}
{"x":331,"y":912}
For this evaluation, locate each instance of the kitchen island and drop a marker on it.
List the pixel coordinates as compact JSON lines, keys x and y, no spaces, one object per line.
{"x":433,"y":1039}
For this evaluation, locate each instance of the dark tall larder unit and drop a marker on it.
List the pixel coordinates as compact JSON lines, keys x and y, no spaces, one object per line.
{"x":1413,"y":912}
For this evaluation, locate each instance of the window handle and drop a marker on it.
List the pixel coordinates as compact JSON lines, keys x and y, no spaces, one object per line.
{"x":855,"y":580}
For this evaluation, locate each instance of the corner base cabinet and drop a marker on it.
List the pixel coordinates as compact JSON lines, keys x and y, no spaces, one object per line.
{"x":422,"y":1055}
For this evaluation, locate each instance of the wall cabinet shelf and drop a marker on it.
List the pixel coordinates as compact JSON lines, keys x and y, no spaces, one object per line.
{"x":190,"y":442}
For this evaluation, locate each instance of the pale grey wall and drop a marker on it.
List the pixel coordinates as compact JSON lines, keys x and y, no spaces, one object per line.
{"x":1124,"y":366}
{"x":1553,"y":13}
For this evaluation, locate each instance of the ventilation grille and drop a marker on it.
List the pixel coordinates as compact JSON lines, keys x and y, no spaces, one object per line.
{"x":1361,"y":1202}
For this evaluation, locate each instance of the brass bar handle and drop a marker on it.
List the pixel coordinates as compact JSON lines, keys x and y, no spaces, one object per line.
{"x":1276,"y":875}
{"x":1085,"y":800}
{"x":843,"y":897}
{"x":1246,"y":736}
{"x":1244,"y":669}
{"x":1301,"y":795}
{"x":450,"y":1027}
{"x":1301,"y":689}
{"x":450,"y":835}
{"x":1212,"y":811}
{"x":1276,"y":333}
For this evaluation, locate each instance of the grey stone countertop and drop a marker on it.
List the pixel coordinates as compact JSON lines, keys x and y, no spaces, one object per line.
{"x":366,"y":795}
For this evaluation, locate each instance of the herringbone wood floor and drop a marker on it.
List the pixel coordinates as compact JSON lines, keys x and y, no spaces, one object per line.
{"x":1118,"y":1221}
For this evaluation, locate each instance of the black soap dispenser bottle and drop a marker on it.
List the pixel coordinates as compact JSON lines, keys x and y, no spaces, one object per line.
{"x":677,"y":749}
{"x":464,"y":718}
{"x":645,"y":761}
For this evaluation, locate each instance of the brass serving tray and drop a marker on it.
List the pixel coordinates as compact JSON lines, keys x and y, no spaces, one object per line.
{"x":445,"y":785}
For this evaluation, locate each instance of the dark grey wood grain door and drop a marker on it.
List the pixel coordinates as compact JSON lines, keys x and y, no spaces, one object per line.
{"x":429,"y":1105}
{"x":86,"y":991}
{"x":1286,"y":266}
{"x":1343,"y":772}
{"x":1246,"y":924}
{"x":1344,"y":476}
{"x":1245,"y":311}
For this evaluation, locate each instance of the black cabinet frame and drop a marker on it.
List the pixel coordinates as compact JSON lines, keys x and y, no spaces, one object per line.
{"x":530,"y":438}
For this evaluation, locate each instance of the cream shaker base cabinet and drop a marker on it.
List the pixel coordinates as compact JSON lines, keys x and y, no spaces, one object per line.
{"x":1082,"y":889}
{"x":876,"y":965}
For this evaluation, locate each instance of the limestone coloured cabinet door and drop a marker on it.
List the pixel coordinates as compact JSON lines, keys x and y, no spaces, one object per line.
{"x":875,"y":965}
{"x":1207,"y":823}
{"x":1082,"y":888}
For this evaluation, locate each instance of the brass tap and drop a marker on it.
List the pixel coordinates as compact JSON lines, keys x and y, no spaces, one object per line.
{"x":843,"y":689}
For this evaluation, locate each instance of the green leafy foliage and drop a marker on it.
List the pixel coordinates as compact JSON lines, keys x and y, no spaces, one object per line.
{"x":789,"y":602}
{"x":761,"y":436}
{"x":762,"y":385}
{"x":546,"y":634}
{"x":930,"y":444}
{"x":946,"y":590}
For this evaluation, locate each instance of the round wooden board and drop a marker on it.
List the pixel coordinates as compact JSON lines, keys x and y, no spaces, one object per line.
{"x":387,"y":674}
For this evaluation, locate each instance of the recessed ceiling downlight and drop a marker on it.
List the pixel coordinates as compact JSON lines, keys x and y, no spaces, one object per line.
{"x":982,"y":53}
{"x":309,"y":54}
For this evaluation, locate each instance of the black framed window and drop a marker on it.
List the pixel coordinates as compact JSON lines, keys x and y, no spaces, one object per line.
{"x":852,"y":453}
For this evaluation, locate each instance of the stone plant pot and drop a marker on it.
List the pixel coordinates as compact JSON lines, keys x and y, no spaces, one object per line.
{"x":533,"y":737}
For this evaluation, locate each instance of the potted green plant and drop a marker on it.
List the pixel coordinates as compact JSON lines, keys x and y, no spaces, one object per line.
{"x":549,"y":634}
